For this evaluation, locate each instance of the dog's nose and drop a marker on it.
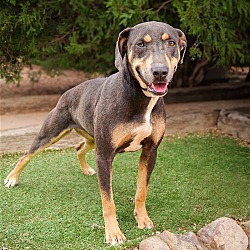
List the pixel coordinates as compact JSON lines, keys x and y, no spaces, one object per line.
{"x":160,"y":73}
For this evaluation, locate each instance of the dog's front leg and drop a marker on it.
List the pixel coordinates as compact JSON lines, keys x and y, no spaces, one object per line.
{"x":146,"y":166}
{"x":113,"y":233}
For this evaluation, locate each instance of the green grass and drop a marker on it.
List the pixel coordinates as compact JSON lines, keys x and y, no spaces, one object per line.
{"x":196,"y":179}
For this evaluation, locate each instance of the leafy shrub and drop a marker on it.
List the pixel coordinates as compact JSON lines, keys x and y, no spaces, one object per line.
{"x":82,"y":34}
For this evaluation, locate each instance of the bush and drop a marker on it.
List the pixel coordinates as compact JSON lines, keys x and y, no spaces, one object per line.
{"x":221,"y":29}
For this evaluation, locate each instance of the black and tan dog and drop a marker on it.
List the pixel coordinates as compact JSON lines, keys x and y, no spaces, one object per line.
{"x":121,"y":113}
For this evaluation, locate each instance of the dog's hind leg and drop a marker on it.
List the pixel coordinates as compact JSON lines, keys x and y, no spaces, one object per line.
{"x":82,"y":149}
{"x":53,"y":129}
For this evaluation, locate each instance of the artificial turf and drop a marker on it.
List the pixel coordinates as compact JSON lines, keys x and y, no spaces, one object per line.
{"x":197,"y":179}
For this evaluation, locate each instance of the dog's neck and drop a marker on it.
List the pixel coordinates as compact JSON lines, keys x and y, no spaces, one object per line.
{"x":130,"y":80}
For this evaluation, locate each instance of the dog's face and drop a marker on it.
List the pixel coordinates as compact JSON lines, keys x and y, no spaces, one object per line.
{"x":152,"y":51}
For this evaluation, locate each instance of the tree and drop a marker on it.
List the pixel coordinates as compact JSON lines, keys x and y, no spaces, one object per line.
{"x":218,"y":30}
{"x":58,"y":34}
{"x":82,"y":34}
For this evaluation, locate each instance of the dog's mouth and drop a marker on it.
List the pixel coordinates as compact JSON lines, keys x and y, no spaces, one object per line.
{"x":160,"y":88}
{"x":156,"y":88}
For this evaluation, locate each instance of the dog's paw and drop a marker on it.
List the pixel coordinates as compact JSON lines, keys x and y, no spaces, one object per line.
{"x":143,"y":221}
{"x":145,"y":224}
{"x":115,"y":237}
{"x":88,"y":171}
{"x":10,"y":182}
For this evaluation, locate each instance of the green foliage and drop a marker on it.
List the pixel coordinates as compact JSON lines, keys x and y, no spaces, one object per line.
{"x":196,"y":180}
{"x":125,"y":13}
{"x":63,"y":34}
{"x":221,"y":28}
{"x":82,"y":34}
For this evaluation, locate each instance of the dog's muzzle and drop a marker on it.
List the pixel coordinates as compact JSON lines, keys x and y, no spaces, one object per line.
{"x":157,"y":87}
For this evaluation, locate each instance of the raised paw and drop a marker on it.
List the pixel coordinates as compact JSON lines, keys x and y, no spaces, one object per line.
{"x":10,"y":182}
{"x":115,"y":236}
{"x":88,"y":171}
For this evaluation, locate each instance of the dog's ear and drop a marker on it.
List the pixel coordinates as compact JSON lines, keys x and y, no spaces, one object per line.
{"x":121,"y":47}
{"x":182,"y":43}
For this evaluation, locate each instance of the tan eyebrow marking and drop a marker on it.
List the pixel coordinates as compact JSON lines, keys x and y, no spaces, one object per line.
{"x":147,"y":38}
{"x":165,"y":36}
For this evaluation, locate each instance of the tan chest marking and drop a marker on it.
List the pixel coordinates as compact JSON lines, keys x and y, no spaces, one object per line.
{"x":140,"y":133}
{"x":134,"y":133}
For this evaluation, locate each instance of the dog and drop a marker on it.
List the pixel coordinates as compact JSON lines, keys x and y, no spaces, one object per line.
{"x":121,"y":113}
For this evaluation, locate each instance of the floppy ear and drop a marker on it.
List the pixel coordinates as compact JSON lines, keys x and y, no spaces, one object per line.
{"x":121,"y":48}
{"x":182,"y":43}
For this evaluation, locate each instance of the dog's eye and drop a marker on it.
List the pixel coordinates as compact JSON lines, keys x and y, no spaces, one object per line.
{"x":171,"y":43}
{"x":140,"y":44}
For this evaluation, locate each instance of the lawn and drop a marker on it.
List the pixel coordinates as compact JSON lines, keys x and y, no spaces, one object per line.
{"x":196,"y":179}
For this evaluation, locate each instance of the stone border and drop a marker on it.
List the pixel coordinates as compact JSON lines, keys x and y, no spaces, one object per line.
{"x":221,"y":234}
{"x":235,"y":122}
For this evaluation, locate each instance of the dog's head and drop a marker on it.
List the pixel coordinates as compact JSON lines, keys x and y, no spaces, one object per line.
{"x":152,"y":51}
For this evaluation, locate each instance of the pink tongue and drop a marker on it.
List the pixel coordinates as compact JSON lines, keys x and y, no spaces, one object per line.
{"x":161,"y":87}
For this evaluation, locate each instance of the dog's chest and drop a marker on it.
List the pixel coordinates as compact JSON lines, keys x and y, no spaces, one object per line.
{"x":137,"y":136}
{"x":128,"y":137}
